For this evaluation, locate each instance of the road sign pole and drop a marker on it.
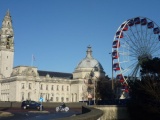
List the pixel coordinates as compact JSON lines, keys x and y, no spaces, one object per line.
{"x":41,"y":100}
{"x":41,"y":106}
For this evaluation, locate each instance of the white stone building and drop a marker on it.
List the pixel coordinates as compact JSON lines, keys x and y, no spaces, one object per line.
{"x":27,"y":82}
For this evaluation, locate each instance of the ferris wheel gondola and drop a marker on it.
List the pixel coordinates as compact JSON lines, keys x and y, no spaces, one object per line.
{"x":136,"y":39}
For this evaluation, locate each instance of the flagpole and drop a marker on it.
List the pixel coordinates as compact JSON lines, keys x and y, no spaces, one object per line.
{"x":32,"y":60}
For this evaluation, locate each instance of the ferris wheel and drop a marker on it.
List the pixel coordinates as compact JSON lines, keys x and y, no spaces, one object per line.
{"x":135,"y":40}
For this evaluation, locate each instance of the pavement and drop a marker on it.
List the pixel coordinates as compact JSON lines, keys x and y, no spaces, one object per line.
{"x":39,"y":111}
{"x":5,"y":114}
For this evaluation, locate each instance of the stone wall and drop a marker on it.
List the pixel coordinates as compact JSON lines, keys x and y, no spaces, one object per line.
{"x":113,"y":112}
{"x":88,"y":113}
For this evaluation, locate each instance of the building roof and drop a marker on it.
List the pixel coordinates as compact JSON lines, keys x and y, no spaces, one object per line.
{"x":55,"y":74}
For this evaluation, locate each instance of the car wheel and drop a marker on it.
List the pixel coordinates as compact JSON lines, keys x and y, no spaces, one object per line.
{"x":24,"y":107}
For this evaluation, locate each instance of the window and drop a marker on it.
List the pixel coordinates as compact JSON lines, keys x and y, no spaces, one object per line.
{"x":62,"y":99}
{"x":30,"y":85}
{"x":22,"y":94}
{"x":96,"y":68}
{"x":41,"y":87}
{"x":89,"y":81}
{"x":33,"y":102}
{"x":46,"y":87}
{"x":41,"y":94}
{"x":22,"y":85}
{"x":52,"y":88}
{"x":62,"y":88}
{"x":67,"y":88}
{"x":29,"y":96}
{"x":83,"y":98}
{"x":56,"y":99}
{"x":57,"y":87}
{"x":67,"y":99}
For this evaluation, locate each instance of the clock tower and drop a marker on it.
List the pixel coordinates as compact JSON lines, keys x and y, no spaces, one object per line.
{"x":6,"y":47}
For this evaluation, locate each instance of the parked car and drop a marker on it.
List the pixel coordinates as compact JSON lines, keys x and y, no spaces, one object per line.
{"x":31,"y":105}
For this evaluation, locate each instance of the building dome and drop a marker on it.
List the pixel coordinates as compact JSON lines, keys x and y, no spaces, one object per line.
{"x":88,"y":64}
{"x":89,"y":61}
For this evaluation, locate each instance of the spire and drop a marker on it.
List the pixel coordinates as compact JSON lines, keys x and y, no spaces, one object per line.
{"x":7,"y":35}
{"x":7,"y":21}
{"x":89,"y":52}
{"x":7,"y":16}
{"x":8,"y":13}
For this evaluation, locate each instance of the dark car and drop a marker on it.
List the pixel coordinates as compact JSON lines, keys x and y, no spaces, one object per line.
{"x":31,"y":105}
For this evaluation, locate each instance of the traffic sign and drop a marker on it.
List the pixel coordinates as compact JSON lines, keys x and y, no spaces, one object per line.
{"x":41,"y":99}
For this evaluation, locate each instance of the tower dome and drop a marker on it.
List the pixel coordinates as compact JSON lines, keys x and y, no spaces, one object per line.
{"x":87,"y":65}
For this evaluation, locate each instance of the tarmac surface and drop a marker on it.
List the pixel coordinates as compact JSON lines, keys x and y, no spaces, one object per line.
{"x":48,"y":114}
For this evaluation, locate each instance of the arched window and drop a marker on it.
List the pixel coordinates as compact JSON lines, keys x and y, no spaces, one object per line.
{"x":67,"y":88}
{"x":52,"y":88}
{"x":30,"y":85}
{"x":57,"y":87}
{"x":41,"y":94}
{"x":62,"y":88}
{"x":52,"y":97}
{"x":41,"y":87}
{"x":62,"y":99}
{"x":89,"y":81}
{"x":75,"y":96}
{"x":22,"y":96}
{"x":72,"y":98}
{"x":46,"y":87}
{"x":67,"y":99}
{"x":29,"y":96}
{"x":22,"y":85}
{"x":57,"y":99}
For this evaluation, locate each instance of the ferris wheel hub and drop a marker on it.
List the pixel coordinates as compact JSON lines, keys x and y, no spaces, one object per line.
{"x":144,"y":57}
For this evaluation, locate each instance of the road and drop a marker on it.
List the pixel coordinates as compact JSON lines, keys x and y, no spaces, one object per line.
{"x":47,"y":114}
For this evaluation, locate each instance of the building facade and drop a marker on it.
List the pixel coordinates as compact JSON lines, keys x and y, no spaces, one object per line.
{"x":28,"y":83}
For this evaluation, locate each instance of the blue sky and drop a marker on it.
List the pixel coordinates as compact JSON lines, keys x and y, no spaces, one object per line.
{"x":58,"y":32}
